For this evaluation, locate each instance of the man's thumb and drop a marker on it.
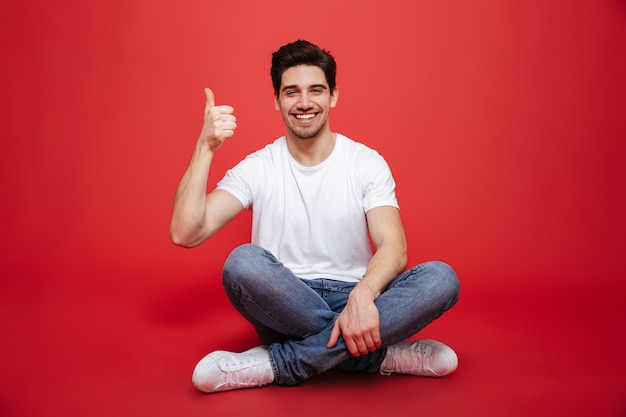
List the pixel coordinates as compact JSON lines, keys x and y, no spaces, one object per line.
{"x":210,"y":98}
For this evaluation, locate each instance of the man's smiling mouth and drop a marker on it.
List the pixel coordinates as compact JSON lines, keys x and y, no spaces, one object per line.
{"x":304,"y":116}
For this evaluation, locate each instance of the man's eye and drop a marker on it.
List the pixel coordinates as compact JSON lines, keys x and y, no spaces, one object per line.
{"x":290,"y":93}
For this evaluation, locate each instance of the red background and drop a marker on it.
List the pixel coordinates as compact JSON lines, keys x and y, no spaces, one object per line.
{"x":504,"y":124}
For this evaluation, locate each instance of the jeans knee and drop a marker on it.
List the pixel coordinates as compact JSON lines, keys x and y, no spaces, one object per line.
{"x":447,"y":280}
{"x":241,"y":254}
{"x":239,"y":262}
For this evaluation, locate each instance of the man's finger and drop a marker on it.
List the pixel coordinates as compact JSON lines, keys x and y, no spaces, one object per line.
{"x":361,"y":345}
{"x":223,"y":109}
{"x":352,"y":347}
{"x":377,"y":340}
{"x":369,"y":342}
{"x":334,"y":336}
{"x":210,"y":98}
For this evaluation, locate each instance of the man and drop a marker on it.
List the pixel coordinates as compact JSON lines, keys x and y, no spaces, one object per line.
{"x":308,"y":282}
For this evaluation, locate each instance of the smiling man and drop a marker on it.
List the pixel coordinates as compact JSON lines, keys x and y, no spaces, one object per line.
{"x":308,"y":282}
{"x":305,"y":100}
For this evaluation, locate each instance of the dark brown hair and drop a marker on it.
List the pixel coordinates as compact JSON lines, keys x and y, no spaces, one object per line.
{"x":302,"y":52}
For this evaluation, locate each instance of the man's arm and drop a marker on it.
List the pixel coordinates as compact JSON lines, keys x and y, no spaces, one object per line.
{"x":359,"y":321}
{"x":196,"y":215}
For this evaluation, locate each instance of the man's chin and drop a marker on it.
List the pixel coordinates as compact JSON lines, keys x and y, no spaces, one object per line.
{"x":305,"y":133}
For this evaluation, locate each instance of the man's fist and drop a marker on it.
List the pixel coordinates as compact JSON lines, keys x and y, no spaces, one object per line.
{"x":219,"y":122}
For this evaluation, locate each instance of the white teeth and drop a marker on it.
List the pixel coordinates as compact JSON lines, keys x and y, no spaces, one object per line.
{"x":304,"y":116}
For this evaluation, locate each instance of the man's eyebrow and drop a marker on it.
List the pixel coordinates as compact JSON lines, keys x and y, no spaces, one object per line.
{"x":294,"y":86}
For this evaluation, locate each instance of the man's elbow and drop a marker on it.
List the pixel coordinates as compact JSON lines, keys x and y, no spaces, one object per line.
{"x":179,"y":240}
{"x":182,"y":239}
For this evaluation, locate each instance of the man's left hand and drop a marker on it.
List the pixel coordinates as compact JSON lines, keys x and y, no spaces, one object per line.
{"x":359,"y":324}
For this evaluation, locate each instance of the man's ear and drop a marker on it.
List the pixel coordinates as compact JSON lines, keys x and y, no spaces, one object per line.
{"x":276,"y":105}
{"x":334,"y":97}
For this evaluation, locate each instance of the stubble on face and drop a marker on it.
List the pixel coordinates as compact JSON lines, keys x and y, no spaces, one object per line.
{"x":305,"y":92}
{"x":304,"y":133}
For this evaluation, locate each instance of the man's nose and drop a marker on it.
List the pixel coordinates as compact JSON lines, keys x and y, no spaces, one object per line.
{"x":304,"y":101}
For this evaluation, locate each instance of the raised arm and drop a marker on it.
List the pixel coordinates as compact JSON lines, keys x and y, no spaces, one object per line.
{"x":196,"y":215}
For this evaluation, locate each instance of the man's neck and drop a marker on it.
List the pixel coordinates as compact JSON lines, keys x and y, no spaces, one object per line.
{"x":311,"y":152}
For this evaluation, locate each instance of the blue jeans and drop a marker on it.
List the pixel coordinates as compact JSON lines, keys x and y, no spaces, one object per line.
{"x":295,"y":317}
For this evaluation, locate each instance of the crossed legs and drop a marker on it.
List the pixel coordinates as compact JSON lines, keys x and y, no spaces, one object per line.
{"x":295,"y":316}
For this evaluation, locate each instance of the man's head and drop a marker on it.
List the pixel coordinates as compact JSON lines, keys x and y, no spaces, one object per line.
{"x":302,"y":52}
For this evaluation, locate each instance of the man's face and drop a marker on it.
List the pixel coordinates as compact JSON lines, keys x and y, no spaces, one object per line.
{"x":304,"y":101}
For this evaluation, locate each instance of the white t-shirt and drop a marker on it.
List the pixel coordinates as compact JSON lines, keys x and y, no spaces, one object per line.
{"x":313,"y":218}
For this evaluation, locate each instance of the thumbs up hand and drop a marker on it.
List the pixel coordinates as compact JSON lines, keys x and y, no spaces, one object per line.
{"x":219,"y":122}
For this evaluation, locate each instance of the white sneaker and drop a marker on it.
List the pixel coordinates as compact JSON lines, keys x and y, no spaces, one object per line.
{"x":419,"y":357}
{"x":224,"y":371}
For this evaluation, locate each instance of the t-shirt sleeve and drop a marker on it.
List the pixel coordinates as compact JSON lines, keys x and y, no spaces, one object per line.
{"x":238,"y":181}
{"x":379,"y":187}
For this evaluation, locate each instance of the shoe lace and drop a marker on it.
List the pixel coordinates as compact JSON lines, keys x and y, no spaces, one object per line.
{"x":246,"y":373}
{"x":413,"y":359}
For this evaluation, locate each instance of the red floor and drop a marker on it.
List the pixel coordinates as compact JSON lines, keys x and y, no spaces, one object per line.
{"x":92,"y":343}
